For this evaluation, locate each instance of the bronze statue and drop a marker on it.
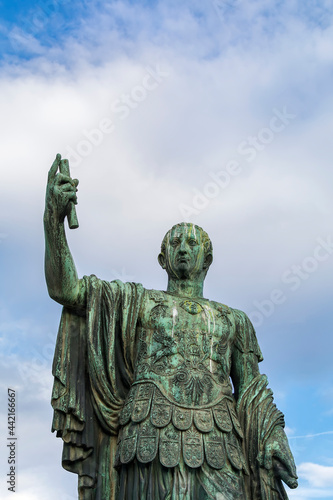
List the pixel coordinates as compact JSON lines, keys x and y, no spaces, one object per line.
{"x":142,"y":392}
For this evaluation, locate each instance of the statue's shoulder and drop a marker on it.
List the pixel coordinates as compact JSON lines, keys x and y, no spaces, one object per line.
{"x":241,"y":317}
{"x":222,"y":308}
{"x":246,"y":339}
{"x":156,"y":296}
{"x":238,"y":316}
{"x":124,"y":285}
{"x":116,"y":288}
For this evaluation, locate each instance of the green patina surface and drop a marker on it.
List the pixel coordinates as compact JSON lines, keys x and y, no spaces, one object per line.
{"x":158,"y":394}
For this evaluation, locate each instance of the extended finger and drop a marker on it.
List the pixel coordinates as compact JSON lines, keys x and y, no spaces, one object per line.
{"x":54,"y":167}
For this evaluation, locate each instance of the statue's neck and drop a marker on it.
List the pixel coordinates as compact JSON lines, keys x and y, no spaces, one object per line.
{"x":185,"y":287}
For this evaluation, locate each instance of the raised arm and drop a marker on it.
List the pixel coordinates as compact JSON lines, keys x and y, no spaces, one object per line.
{"x":61,"y":277}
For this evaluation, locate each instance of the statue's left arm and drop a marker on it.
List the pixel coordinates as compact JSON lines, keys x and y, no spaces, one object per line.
{"x":256,"y":408}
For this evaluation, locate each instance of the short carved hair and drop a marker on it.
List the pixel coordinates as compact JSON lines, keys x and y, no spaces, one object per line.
{"x":205,"y":239}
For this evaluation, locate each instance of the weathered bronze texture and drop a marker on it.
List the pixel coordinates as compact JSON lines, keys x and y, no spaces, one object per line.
{"x":158,"y":395}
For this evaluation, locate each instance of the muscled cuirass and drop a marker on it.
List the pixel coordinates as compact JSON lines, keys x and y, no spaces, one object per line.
{"x":184,"y":348}
{"x":181,"y":398}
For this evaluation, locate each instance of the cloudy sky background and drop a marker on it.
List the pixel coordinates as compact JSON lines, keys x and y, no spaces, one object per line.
{"x":217,"y":112}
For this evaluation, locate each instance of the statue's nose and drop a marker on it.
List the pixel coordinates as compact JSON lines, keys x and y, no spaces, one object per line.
{"x":182,"y":248}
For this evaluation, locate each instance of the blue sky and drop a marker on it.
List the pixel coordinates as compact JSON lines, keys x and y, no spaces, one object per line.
{"x":218,"y":112}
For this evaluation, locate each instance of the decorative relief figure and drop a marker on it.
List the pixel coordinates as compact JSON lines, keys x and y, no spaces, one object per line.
{"x":158,"y":395}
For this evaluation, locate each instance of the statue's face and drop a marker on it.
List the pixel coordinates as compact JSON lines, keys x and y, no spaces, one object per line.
{"x":185,"y":255}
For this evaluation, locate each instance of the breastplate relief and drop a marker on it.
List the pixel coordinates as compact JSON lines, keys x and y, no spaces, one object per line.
{"x":184,"y":347}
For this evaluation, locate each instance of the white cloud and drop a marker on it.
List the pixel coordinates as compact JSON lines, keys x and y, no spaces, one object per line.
{"x":216,"y":95}
{"x":309,"y":493}
{"x":225,"y":77}
{"x":319,"y":476}
{"x":190,"y":125}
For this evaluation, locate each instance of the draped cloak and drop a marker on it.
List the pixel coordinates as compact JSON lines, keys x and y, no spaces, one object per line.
{"x":93,"y":371}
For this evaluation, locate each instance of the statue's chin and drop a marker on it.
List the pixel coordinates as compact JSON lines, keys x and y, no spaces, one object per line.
{"x":179,"y":274}
{"x":183,"y":271}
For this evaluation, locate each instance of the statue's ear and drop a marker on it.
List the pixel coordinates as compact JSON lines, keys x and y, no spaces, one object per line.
{"x":208,"y":260}
{"x":161,"y":260}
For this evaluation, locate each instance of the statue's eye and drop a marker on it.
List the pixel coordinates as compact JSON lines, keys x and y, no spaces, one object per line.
{"x":174,"y":242}
{"x":192,"y":243}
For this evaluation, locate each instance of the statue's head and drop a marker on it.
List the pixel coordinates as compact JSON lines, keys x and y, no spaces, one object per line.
{"x":186,"y":252}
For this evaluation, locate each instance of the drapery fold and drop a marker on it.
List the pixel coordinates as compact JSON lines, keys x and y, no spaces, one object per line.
{"x":258,"y":417}
{"x":93,"y":371}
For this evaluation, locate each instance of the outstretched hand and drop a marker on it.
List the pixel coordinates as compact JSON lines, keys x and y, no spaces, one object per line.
{"x":277,"y":456}
{"x":60,"y":190}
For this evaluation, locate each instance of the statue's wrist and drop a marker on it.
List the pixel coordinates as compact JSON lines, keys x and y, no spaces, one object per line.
{"x":52,"y":218}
